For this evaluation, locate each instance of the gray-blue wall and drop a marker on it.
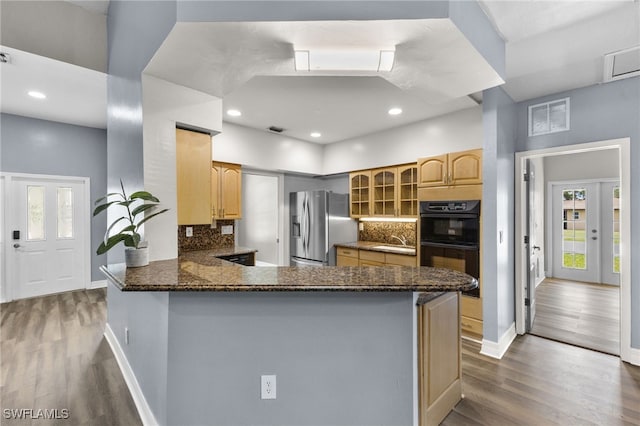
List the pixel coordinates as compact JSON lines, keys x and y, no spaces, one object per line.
{"x":136,"y":29}
{"x":30,"y":145}
{"x":498,"y":204}
{"x":601,"y":112}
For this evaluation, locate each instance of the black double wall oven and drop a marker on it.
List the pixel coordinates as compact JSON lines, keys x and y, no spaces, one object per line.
{"x":450,"y":236}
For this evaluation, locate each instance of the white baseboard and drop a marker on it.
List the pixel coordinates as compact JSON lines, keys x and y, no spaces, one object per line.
{"x":146,"y":415}
{"x":97,"y":284}
{"x":497,"y":350}
{"x":631,"y":355}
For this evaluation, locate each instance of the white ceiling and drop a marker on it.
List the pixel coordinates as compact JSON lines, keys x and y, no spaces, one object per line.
{"x":552,"y":46}
{"x":435,"y":69}
{"x":75,"y":95}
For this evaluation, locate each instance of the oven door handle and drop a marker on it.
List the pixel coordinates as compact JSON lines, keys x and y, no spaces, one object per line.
{"x":450,"y":215}
{"x":447,"y":245}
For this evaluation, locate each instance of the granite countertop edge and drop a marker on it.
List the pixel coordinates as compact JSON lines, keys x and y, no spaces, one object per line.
{"x":203,"y":271}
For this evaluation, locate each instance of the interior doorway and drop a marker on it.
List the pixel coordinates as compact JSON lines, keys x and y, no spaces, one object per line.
{"x":261,"y":226}
{"x":568,"y":277}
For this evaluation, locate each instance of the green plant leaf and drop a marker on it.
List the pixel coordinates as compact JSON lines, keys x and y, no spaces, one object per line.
{"x":146,"y":218}
{"x":99,"y":200}
{"x":112,"y":241}
{"x":102,"y":207}
{"x":132,"y":240}
{"x":144,"y":195}
{"x":142,"y":208}
{"x":108,"y":231}
{"x":126,"y":203}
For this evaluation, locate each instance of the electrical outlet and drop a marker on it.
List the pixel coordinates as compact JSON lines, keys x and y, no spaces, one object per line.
{"x":126,"y":335}
{"x":361,"y":226}
{"x":226,"y":230}
{"x":189,"y":231}
{"x":268,"y":387}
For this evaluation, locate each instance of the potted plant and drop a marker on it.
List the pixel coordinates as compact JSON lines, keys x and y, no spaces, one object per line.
{"x":138,"y":205}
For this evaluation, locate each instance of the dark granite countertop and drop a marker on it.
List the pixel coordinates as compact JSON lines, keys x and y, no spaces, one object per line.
{"x":369,"y":245}
{"x":227,"y":251}
{"x":424,"y":298}
{"x":202,"y":271}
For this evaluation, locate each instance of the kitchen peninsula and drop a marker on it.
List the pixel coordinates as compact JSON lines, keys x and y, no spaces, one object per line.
{"x":196,"y":334}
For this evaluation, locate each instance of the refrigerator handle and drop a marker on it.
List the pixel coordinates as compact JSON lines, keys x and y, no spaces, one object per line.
{"x":308,"y":229}
{"x":303,"y":225}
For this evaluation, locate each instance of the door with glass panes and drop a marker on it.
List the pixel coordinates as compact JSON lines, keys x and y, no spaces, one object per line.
{"x":586,"y":240}
{"x":49,"y":236}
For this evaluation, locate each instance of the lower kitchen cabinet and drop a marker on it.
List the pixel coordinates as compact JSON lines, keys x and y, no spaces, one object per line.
{"x":356,"y":257}
{"x":471,"y":316}
{"x":347,"y":257}
{"x":439,"y":358}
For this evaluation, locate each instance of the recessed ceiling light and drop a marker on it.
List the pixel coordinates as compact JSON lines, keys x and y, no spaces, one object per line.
{"x":316,"y":134}
{"x":234,"y":113}
{"x":395,"y":111}
{"x":36,"y":94}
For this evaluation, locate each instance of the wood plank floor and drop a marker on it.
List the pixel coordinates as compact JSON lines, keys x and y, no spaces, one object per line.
{"x":543,"y":382}
{"x":54,"y":355}
{"x":582,"y":314}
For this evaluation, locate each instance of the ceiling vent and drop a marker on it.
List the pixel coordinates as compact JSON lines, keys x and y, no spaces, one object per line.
{"x":622,"y":64}
{"x":276,"y":129}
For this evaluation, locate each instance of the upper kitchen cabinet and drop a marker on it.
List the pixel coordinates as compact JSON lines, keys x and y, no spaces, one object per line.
{"x":360,"y":193}
{"x":456,"y":168}
{"x":226,"y":190}
{"x":193,"y":176}
{"x":395,"y":191}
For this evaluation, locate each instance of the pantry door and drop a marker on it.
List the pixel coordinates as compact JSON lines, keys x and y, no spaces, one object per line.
{"x":49,"y":235}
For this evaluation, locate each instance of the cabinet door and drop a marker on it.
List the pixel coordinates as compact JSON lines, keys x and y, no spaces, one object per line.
{"x":216,"y":176}
{"x":432,"y":171}
{"x":347,"y":261}
{"x":384,"y":191}
{"x":359,"y":190}
{"x":407,"y":191}
{"x":231,"y":191}
{"x":193,"y":174}
{"x":465,"y":168}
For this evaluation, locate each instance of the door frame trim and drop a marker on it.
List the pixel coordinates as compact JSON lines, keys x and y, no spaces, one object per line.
{"x":624,"y":149}
{"x":9,"y":291}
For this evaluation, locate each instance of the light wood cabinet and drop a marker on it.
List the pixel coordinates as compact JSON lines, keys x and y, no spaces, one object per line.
{"x":226,"y":190}
{"x":384,"y":192}
{"x":455,"y":168}
{"x":355,"y":257}
{"x":360,"y":193}
{"x":347,"y":257}
{"x":439,"y":358}
{"x":193,"y":177}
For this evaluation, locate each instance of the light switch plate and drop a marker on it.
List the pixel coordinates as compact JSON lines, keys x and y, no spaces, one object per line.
{"x":226,"y":230}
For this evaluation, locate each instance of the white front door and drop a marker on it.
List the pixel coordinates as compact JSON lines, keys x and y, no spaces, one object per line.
{"x":576,"y":229}
{"x":48,"y":235}
{"x":586,"y":235}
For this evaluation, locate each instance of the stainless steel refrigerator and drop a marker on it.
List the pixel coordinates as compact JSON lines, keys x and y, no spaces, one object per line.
{"x":319,"y":219}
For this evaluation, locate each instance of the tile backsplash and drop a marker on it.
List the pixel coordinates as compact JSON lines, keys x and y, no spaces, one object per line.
{"x":381,"y":232}
{"x":205,"y":237}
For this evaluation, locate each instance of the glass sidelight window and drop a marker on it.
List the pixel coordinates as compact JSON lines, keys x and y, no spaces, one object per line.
{"x":35,"y":213}
{"x":65,"y":212}
{"x":574,"y":225}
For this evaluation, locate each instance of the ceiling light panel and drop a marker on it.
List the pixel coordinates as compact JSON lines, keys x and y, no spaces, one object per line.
{"x":36,"y":94}
{"x":344,"y":60}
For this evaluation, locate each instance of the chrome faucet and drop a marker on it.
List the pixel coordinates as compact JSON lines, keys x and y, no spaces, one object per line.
{"x":402,"y":239}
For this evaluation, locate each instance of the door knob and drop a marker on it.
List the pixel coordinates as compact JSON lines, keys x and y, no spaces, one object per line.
{"x":16,"y":245}
{"x":536,"y":248}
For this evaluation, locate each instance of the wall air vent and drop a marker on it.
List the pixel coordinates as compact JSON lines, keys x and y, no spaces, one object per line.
{"x":276,"y":129}
{"x":622,"y":64}
{"x":549,"y":117}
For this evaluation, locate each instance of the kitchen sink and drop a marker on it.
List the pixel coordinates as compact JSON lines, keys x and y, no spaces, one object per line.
{"x":408,"y":250}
